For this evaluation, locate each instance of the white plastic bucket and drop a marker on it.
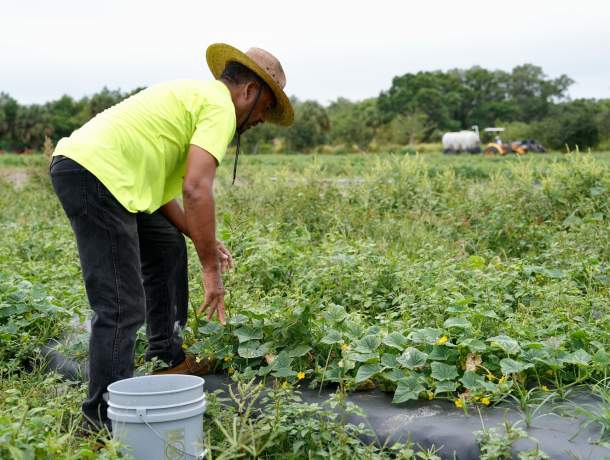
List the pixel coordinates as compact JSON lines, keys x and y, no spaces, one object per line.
{"x":158,"y":416}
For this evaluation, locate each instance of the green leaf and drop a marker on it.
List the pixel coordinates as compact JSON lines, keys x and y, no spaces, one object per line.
{"x":353,"y":330}
{"x":457,"y":309}
{"x":489,"y":314}
{"x":445,"y":387}
{"x":12,"y":310}
{"x":238,"y":320}
{"x":440,"y":353}
{"x":252,"y":349}
{"x":394,"y":375}
{"x":211,"y":328}
{"x":601,"y":357}
{"x":407,"y":389}
{"x":283,"y":372}
{"x":442,"y":371}
{"x":412,"y":358}
{"x":389,"y":360}
{"x":458,"y":322}
{"x":426,"y":335}
{"x":334,"y":314}
{"x":331,"y":337}
{"x":299,"y":350}
{"x":362,"y":357}
{"x":368,"y":344}
{"x":333,"y":373}
{"x":476,"y":262}
{"x":510,"y":366}
{"x":366,"y":371}
{"x":509,"y":345}
{"x":553,"y":273}
{"x":474,"y":345}
{"x":395,"y":340}
{"x":472,"y":380}
{"x":247,"y":333}
{"x":283,"y":359}
{"x":580,"y":358}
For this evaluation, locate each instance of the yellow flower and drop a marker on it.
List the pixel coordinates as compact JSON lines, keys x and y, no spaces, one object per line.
{"x":442,"y":340}
{"x":230,"y":370}
{"x":502,"y":379}
{"x":197,"y":359}
{"x":545,"y":388}
{"x":344,"y":346}
{"x":490,"y":376}
{"x":459,"y":403}
{"x":184,"y":346}
{"x":485,"y":401}
{"x":301,"y":375}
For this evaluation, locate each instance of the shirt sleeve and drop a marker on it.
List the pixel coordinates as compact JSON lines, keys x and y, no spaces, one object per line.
{"x":214,"y":130}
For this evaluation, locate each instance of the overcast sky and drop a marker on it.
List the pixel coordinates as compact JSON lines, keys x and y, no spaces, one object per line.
{"x":328,"y":48}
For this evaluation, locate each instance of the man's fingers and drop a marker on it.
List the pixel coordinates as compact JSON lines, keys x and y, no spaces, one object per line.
{"x":225,"y":254}
{"x":224,"y":264}
{"x":221,"y":311}
{"x":216,"y":306}
{"x":202,"y":308}
{"x":231,"y":263}
{"x":213,"y":307}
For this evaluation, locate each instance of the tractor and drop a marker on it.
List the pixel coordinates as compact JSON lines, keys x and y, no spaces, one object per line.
{"x":497,"y":147}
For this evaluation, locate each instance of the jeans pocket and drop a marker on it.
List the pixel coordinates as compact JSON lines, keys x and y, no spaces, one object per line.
{"x":71,"y":189}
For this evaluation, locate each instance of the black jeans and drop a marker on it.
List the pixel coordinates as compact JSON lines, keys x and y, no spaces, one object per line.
{"x":135,"y":269}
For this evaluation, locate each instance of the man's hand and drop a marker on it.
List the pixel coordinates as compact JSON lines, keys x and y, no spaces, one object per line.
{"x":225,"y":257}
{"x":214,"y":295}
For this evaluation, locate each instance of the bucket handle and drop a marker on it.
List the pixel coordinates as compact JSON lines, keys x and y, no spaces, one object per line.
{"x":141,"y":413}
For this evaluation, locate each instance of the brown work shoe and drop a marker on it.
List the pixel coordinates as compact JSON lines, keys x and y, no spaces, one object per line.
{"x":192,"y":365}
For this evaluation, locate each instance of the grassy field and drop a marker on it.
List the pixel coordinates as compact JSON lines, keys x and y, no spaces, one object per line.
{"x":464,"y":278}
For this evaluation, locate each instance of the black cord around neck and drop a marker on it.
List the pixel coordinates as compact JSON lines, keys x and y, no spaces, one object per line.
{"x":240,"y":131}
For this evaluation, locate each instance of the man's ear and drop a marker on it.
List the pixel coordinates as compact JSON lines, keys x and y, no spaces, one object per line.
{"x":250,"y":90}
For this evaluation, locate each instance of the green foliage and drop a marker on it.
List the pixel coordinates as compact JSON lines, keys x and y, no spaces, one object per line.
{"x":24,"y":312}
{"x":310,"y":126}
{"x":476,"y":96}
{"x":40,"y":419}
{"x":278,"y":424}
{"x":499,"y":446}
{"x":353,"y":122}
{"x":416,"y":108}
{"x":25,"y":127}
{"x":424,"y":276}
{"x":572,"y":124}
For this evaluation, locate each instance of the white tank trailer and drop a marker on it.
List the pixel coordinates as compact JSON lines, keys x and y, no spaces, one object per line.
{"x":462,"y":141}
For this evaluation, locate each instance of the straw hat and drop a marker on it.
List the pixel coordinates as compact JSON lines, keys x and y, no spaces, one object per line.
{"x":263,"y":64}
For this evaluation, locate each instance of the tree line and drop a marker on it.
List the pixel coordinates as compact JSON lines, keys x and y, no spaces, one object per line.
{"x":418,"y":107}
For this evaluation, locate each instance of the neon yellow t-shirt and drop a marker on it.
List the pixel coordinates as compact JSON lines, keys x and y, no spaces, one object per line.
{"x":138,"y":148}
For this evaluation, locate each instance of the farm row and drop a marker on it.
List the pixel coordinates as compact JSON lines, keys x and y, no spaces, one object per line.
{"x":469,"y":279}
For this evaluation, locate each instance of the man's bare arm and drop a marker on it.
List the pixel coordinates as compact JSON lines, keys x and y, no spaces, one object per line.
{"x":201,"y":224}
{"x":174,"y":213}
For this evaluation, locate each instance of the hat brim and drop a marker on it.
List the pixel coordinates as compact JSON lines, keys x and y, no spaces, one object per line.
{"x":217,"y":57}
